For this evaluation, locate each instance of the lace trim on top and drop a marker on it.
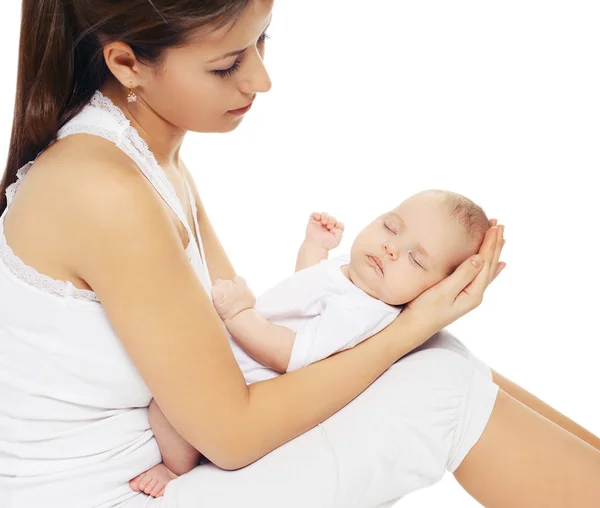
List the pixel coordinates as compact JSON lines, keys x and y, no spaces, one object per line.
{"x":41,"y":281}
{"x":127,"y":139}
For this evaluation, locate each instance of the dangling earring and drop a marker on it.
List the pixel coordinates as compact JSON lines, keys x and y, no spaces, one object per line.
{"x":132,"y":97}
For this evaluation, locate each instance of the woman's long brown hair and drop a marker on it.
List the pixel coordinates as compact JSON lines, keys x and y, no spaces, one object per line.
{"x":61,"y":62}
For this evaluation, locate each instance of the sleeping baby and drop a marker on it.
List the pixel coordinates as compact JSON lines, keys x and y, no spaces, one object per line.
{"x":329,"y":305}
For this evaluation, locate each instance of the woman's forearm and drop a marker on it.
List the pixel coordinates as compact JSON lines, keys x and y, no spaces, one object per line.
{"x":282,"y":408}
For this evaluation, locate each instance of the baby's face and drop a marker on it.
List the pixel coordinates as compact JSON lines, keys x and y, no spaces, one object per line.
{"x":417,"y":245}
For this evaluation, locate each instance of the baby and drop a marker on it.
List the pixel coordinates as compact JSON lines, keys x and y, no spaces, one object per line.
{"x":330,"y":305}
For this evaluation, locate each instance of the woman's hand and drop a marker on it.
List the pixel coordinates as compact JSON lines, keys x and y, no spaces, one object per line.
{"x":462,"y":291}
{"x":324,"y":230}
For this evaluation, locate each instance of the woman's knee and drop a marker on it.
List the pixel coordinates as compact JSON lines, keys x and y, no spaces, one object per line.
{"x":400,"y":434}
{"x":451,"y":398}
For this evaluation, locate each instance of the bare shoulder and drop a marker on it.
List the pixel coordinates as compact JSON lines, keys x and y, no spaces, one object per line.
{"x":68,"y":169}
{"x":114,"y":219}
{"x":65,"y":177}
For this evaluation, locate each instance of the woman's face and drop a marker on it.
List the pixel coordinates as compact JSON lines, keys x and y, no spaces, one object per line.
{"x":201,"y":85}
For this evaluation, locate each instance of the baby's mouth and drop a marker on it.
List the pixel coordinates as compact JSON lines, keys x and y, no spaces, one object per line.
{"x":376,"y":262}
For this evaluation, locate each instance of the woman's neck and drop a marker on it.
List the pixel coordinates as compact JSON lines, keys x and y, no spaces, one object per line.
{"x":163,"y":138}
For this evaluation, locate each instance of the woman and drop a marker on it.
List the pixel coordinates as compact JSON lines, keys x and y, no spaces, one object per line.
{"x":105,"y":304}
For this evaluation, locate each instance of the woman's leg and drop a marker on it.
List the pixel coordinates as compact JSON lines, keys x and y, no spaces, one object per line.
{"x":446,"y":340}
{"x":540,"y":407}
{"x":523,"y":460}
{"x":529,"y":461}
{"x":420,"y":418}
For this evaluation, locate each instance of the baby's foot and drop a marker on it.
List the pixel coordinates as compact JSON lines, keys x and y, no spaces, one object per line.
{"x":153,"y":481}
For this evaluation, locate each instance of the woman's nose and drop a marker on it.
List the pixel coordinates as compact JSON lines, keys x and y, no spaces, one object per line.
{"x":257,"y":78}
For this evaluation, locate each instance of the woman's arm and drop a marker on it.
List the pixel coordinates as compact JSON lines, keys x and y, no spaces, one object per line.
{"x":134,"y":259}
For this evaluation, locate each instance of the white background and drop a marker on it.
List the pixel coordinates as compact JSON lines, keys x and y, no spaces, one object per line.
{"x":373,"y":101}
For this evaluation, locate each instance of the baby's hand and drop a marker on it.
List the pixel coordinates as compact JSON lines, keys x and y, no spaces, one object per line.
{"x":324,"y":231}
{"x":231,"y":297}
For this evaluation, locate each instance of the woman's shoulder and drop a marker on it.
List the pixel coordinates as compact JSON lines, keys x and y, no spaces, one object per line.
{"x":76,"y":170}
{"x":82,"y":153}
{"x":76,"y":178}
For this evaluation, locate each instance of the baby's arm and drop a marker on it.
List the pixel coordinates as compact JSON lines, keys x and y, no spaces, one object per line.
{"x":323,"y":233}
{"x":310,"y":255}
{"x":269,"y":344}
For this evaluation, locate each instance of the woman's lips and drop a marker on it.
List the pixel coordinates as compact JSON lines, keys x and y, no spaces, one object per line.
{"x":241,"y":111}
{"x":376,"y":262}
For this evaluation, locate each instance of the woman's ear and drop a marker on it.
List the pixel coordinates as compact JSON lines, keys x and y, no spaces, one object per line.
{"x":123,"y":64}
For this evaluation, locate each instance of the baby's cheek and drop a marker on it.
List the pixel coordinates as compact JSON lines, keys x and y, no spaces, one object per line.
{"x":415,"y":284}
{"x":397,"y":293}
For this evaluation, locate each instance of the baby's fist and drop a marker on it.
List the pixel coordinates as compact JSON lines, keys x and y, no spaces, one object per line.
{"x":231,"y":297}
{"x":324,"y":230}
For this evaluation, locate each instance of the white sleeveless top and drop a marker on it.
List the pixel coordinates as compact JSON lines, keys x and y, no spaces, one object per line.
{"x":73,"y":408}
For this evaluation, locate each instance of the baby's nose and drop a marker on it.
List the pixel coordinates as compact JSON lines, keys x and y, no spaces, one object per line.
{"x":390,"y":251}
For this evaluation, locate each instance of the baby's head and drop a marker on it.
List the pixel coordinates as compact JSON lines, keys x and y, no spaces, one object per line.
{"x":417,"y":244}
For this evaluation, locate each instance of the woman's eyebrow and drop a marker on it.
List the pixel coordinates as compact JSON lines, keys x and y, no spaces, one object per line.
{"x":227,"y":55}
{"x":236,"y":52}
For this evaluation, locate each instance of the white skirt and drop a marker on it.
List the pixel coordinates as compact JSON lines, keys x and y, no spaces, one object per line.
{"x":418,"y":420}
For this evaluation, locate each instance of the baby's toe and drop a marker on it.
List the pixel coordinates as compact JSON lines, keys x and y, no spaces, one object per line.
{"x":144,"y":482}
{"x":135,"y":482}
{"x":156,"y":491}
{"x":151,"y":484}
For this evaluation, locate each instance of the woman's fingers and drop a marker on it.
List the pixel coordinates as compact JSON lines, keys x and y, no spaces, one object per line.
{"x":497,"y":251}
{"x":487,"y":252}
{"x":501,"y":266}
{"x":456,"y":283}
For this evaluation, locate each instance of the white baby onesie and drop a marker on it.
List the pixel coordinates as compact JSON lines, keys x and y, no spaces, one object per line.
{"x":327,"y":312}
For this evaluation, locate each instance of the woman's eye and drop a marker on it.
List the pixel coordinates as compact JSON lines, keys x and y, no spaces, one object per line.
{"x":263,"y":38}
{"x":225,"y":73}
